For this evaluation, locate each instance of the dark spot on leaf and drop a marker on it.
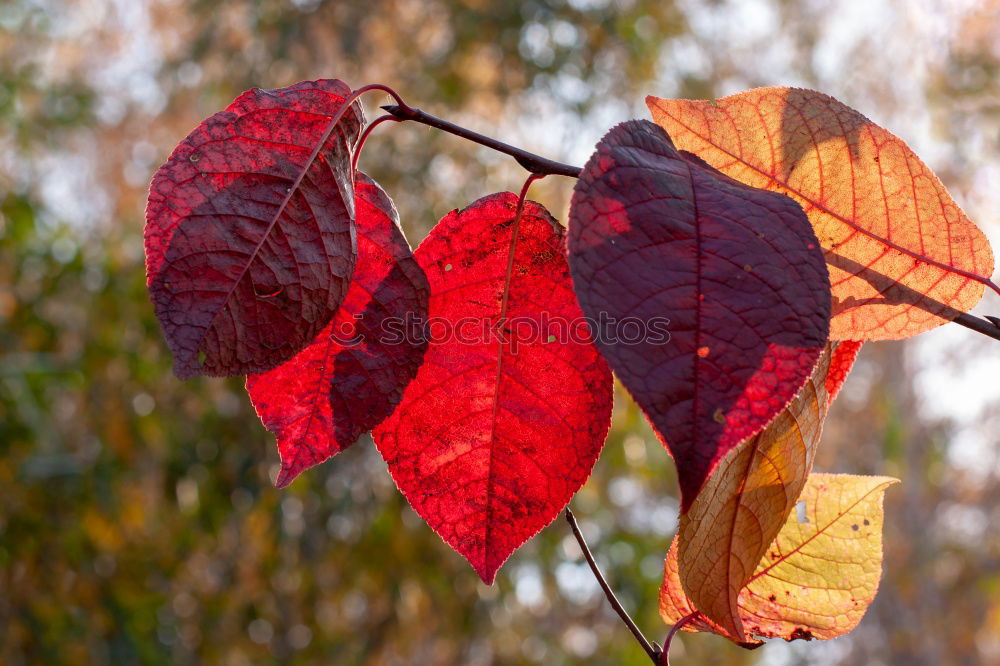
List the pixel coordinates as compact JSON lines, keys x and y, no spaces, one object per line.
{"x":866,"y":522}
{"x":854,"y":527}
{"x":772,"y":598}
{"x":542,"y":257}
{"x":802,"y":633}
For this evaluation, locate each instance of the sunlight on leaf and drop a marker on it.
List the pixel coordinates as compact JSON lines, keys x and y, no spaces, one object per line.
{"x":351,"y":377}
{"x":657,"y":233}
{"x":249,"y":238}
{"x":500,"y":426}
{"x":743,"y":505}
{"x":903,"y":256}
{"x":818,"y":576}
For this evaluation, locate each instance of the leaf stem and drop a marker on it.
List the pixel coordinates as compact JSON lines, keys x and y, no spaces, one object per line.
{"x":364,"y":137}
{"x":653,"y":653}
{"x":665,"y":655}
{"x":530,"y":161}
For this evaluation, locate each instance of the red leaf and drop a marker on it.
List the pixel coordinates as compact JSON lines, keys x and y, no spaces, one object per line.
{"x":658,"y":233}
{"x":497,"y":431}
{"x":249,"y":235}
{"x":840,"y":366}
{"x":321,"y":401}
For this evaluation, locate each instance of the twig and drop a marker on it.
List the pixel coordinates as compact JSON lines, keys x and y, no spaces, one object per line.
{"x":653,"y":653}
{"x":985,"y":326}
{"x":542,"y":165}
{"x":530,"y":161}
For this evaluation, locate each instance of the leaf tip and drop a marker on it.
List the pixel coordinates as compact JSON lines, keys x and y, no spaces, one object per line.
{"x":285,"y":476}
{"x":486,"y":574}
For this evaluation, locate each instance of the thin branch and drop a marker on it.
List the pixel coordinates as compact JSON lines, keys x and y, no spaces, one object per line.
{"x":987,"y":326}
{"x":544,"y":166}
{"x":653,"y":653}
{"x":530,"y":161}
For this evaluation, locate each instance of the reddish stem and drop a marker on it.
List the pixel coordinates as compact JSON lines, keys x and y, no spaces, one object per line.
{"x":665,"y":654}
{"x":364,"y":137}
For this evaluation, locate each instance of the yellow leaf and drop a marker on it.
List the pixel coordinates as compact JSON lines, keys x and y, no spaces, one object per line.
{"x":743,"y":505}
{"x":819,"y":575}
{"x":902,"y":255}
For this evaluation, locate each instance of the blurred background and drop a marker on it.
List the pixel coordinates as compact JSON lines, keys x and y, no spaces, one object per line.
{"x":138,"y":522}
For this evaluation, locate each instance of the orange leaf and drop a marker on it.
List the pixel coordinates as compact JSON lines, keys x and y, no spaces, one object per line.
{"x":743,"y":505}
{"x":819,"y":575}
{"x":902,"y":255}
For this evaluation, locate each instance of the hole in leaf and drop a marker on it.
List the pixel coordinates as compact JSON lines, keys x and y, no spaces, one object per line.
{"x":800,"y":512}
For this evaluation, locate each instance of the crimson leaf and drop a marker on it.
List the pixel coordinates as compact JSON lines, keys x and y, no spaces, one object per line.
{"x":658,"y":233}
{"x":351,"y":377}
{"x":250,"y":240}
{"x":507,"y":416}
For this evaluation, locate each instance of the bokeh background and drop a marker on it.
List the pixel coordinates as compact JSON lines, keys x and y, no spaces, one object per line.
{"x":138,"y":523}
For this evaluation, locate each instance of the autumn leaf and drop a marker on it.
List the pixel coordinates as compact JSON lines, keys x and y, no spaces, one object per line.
{"x":352,"y":375}
{"x":250,"y":240}
{"x":903,"y":256}
{"x":844,"y":355}
{"x":508,"y":413}
{"x":744,"y":503}
{"x":819,"y":575}
{"x":657,"y":233}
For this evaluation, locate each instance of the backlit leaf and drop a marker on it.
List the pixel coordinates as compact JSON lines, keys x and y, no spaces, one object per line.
{"x":819,"y":575}
{"x":250,"y":240}
{"x":844,"y":355}
{"x":903,"y":256}
{"x":656,"y":233}
{"x":351,"y":377}
{"x":743,"y":505}
{"x":501,"y":425}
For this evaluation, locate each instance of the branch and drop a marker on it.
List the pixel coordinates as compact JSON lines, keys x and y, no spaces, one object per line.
{"x":537,"y":164}
{"x":653,"y":653}
{"x":989,"y":327}
{"x":530,"y":161}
